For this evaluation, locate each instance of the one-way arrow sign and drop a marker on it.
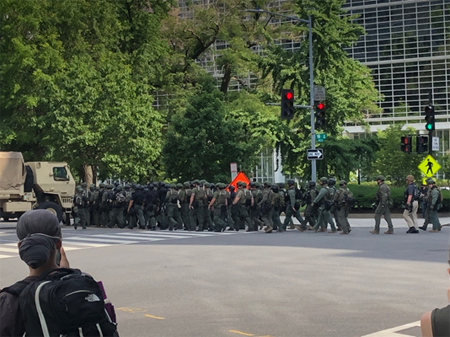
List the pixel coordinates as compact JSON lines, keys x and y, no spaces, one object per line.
{"x":314,"y":154}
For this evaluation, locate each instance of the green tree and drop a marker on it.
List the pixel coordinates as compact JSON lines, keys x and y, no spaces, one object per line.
{"x":350,"y":90}
{"x":343,"y":155}
{"x":76,"y":81}
{"x":391,"y":162}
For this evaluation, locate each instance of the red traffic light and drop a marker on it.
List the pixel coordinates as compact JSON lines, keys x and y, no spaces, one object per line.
{"x":320,"y":106}
{"x":289,"y":95}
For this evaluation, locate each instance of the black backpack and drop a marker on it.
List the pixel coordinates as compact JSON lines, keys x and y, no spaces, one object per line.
{"x":65,"y":303}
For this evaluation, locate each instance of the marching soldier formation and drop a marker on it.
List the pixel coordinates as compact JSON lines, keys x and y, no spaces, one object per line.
{"x":199,"y":206}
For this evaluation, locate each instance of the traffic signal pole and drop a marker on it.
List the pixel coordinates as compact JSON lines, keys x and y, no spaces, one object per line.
{"x":311,"y":78}
{"x":311,"y":96}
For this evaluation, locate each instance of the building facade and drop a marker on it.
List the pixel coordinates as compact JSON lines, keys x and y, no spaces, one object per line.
{"x":407,"y":48}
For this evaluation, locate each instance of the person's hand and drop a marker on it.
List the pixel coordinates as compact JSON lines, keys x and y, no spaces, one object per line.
{"x":64,"y":262}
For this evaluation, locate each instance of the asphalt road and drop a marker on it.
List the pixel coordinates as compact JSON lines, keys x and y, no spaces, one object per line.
{"x":255,"y":284}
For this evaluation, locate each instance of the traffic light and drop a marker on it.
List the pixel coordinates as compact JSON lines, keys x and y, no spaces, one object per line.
{"x":421,"y":144}
{"x":287,"y":103}
{"x":320,"y":115}
{"x":406,"y":144}
{"x":429,"y":118}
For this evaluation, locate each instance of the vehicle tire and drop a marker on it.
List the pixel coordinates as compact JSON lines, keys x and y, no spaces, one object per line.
{"x":53,"y":208}
{"x":5,"y":219}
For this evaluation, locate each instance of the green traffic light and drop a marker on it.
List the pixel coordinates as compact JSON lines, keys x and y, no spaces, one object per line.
{"x":429,"y":127}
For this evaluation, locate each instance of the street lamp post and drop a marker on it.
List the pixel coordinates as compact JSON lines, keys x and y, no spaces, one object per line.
{"x":311,"y":79}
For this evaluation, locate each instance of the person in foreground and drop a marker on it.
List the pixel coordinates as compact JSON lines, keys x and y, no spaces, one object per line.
{"x":40,"y":238}
{"x":436,"y":323}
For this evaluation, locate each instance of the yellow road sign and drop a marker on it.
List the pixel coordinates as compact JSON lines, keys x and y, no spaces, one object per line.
{"x":429,"y":166}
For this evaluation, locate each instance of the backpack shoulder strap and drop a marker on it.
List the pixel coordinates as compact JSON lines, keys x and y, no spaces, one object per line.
{"x":16,"y":289}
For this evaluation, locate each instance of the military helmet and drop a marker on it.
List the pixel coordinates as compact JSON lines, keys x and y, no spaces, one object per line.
{"x":274,"y":188}
{"x":119,"y":188}
{"x":331,"y":181}
{"x":430,"y":181}
{"x":196,"y":182}
{"x":83,"y":184}
{"x":102,"y":185}
{"x":291,"y":182}
{"x":179,"y":185}
{"x":267,"y":184}
{"x":342,"y":182}
{"x":231,"y":188}
{"x":186,"y":184}
{"x":127,"y":186}
{"x":380,"y":177}
{"x":311,"y":183}
{"x":79,"y":189}
{"x":324,"y":180}
{"x":110,"y":186}
{"x":257,"y":185}
{"x":252,"y":184}
{"x":207,"y":185}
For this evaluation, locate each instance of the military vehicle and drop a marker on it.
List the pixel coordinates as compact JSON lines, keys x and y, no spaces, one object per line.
{"x":34,"y":185}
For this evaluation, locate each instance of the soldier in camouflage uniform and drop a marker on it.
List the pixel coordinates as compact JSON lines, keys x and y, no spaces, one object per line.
{"x":151,"y":206}
{"x":340,"y":202}
{"x":208,"y":215}
{"x":79,"y":208}
{"x":233,"y":210}
{"x":95,"y":206}
{"x":128,"y":193}
{"x":277,"y":204}
{"x":383,"y":198}
{"x":333,"y":210}
{"x":310,"y":211}
{"x":185,"y":196}
{"x":293,"y":206}
{"x":266,"y":207}
{"x":117,"y":201}
{"x":218,"y":205}
{"x":107,"y":204}
{"x":255,"y":211}
{"x":197,"y":204}
{"x":173,"y":212}
{"x":87,"y":195}
{"x":244,"y":200}
{"x":323,"y":199}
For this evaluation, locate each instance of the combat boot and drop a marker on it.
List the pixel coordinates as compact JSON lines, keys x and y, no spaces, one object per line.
{"x":374,"y":232}
{"x":389,"y":231}
{"x":268,"y":230}
{"x":300,"y":228}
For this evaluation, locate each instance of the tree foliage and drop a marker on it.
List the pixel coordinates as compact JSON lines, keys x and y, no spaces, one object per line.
{"x":76,"y":79}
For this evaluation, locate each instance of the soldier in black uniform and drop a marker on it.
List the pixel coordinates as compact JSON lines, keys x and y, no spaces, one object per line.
{"x":137,"y":202}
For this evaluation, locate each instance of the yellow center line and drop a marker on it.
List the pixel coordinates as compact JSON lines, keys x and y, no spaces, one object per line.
{"x":241,"y":333}
{"x":155,"y":317}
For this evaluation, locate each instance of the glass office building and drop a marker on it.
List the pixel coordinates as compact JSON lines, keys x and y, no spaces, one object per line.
{"x":407,"y":48}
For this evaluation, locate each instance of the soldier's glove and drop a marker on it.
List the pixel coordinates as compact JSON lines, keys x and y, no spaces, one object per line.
{"x":409,"y":207}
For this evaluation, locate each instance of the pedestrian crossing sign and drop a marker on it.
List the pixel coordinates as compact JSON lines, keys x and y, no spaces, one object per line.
{"x":429,"y":166}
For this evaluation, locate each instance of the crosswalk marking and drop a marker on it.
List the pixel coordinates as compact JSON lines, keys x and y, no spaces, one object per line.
{"x":100,"y":239}
{"x":148,"y":236}
{"x":8,"y":250}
